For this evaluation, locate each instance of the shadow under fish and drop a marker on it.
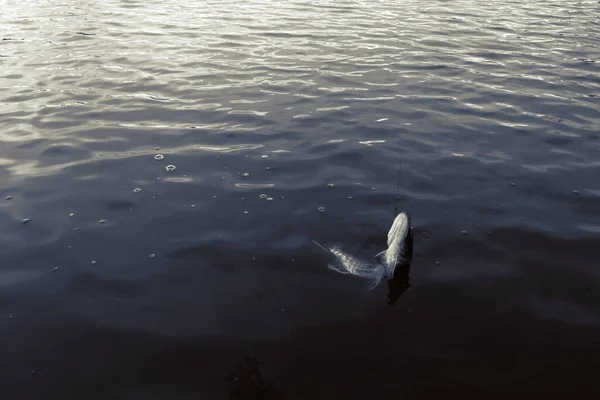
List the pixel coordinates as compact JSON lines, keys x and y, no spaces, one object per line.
{"x":392,"y":263}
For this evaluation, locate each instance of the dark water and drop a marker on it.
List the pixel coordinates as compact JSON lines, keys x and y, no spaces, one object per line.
{"x":492,"y":106}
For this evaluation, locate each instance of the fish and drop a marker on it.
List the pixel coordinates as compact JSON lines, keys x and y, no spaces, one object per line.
{"x":399,"y":241}
{"x":399,"y":252}
{"x":348,"y":264}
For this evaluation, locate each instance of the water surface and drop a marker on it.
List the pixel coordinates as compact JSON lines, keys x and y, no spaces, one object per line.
{"x":489,"y":109}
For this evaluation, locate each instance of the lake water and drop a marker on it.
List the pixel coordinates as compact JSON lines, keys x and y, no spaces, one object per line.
{"x":120,"y":279}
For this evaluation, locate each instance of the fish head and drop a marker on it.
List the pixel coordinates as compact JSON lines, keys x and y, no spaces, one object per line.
{"x":400,"y":228}
{"x":403,"y":219}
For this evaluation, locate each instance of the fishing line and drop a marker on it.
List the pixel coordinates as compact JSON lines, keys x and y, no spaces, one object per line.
{"x":398,"y":183}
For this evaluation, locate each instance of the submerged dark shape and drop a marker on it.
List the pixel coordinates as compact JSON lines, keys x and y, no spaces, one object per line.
{"x":399,"y":284}
{"x":247,"y":382}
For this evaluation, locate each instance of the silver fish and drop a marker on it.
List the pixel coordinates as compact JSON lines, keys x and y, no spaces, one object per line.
{"x":399,"y":252}
{"x":399,"y":244}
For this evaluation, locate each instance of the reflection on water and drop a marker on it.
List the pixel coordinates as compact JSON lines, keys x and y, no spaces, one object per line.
{"x":492,"y":105}
{"x":399,"y":284}
{"x":247,"y":382}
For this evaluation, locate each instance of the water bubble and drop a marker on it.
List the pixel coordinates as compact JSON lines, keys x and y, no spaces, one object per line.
{"x":102,"y":221}
{"x":269,"y":199}
{"x":437,"y":263}
{"x":71,"y":214}
{"x":576,"y":192}
{"x":75,"y":229}
{"x":55,"y":269}
{"x":170,"y":168}
{"x":9,"y":197}
{"x":263,"y":196}
{"x":464,"y":232}
{"x":321,"y":209}
{"x":264,"y":156}
{"x":246,"y":174}
{"x":25,"y":221}
{"x":350,"y":197}
{"x":331,"y":185}
{"x":513,"y":184}
{"x":268,"y":168}
{"x":93,"y":262}
{"x":159,"y":157}
{"x":137,"y":190}
{"x":426,"y":235}
{"x":245,"y":212}
{"x":214,"y":197}
{"x":193,"y":206}
{"x":151,"y":256}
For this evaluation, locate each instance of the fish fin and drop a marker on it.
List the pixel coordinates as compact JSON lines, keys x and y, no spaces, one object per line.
{"x":337,"y":268}
{"x":380,"y":257}
{"x":375,"y":282}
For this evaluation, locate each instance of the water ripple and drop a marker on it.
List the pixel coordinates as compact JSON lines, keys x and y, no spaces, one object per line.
{"x":489,"y":110}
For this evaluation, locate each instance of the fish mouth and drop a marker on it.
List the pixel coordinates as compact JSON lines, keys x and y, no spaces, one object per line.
{"x":406,"y":216}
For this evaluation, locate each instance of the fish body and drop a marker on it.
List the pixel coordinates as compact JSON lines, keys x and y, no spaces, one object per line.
{"x":399,"y":241}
